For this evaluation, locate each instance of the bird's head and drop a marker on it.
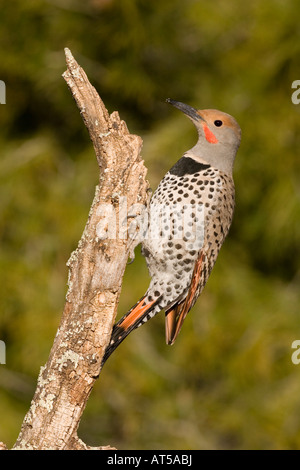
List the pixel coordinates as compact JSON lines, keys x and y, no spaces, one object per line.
{"x":219,"y":136}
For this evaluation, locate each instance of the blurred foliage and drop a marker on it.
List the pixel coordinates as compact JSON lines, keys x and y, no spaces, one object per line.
{"x":228,"y":382}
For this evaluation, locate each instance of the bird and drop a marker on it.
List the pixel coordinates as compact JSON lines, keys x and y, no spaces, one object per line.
{"x":189,"y":217}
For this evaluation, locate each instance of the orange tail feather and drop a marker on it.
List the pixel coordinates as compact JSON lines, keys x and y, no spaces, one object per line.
{"x":127,"y":323}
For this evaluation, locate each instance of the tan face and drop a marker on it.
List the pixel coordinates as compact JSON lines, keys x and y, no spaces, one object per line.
{"x":219,"y":136}
{"x":218,"y":127}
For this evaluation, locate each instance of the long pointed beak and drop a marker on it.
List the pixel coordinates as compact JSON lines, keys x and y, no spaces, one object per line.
{"x":186,"y":109}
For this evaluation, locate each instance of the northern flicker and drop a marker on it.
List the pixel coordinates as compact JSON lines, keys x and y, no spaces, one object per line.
{"x":190,"y":214}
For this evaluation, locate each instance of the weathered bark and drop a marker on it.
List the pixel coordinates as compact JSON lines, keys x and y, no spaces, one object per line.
{"x":96,"y":269}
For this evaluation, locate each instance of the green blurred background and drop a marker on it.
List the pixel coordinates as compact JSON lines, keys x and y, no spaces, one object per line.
{"x":228,"y":382}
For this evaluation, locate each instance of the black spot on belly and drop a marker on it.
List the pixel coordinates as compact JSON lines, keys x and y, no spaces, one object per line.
{"x":187,"y":166}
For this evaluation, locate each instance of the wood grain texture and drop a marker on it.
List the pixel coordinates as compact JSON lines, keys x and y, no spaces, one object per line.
{"x":96,"y":270}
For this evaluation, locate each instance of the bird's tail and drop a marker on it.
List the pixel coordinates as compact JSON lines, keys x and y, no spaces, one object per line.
{"x":131,"y":320}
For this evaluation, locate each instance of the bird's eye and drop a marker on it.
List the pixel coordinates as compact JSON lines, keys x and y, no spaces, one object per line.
{"x":218,"y":123}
